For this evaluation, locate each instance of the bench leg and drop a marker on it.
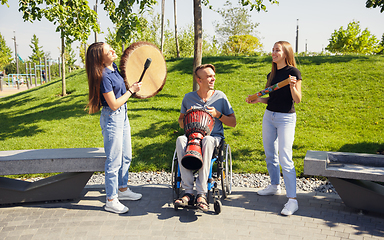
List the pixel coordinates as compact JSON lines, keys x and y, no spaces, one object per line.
{"x":63,"y":186}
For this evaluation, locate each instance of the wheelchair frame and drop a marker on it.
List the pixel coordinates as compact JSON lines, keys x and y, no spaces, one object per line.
{"x":222,"y":156}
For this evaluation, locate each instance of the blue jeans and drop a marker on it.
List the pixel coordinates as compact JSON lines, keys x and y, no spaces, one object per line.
{"x":117,"y":146}
{"x":278,"y":137}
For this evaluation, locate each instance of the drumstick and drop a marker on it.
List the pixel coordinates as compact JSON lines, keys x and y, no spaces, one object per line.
{"x":146,"y":65}
{"x":269,"y":89}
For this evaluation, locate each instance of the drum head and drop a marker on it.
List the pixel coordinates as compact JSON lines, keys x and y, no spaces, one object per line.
{"x":132,"y":66}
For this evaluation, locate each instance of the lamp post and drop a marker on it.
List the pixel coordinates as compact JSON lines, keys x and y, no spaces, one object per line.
{"x":297,"y":36}
{"x":17,"y":60}
{"x":95,"y":9}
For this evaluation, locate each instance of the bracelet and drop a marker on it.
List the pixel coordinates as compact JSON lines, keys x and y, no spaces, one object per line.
{"x":130,"y":91}
{"x":220,"y":115}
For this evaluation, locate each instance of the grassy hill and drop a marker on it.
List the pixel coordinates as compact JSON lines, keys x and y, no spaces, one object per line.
{"x":342,"y":110}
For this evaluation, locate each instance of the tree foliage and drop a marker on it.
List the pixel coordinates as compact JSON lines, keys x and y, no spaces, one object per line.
{"x":353,"y":40}
{"x":127,"y":21}
{"x":257,"y":5}
{"x":82,"y":50}
{"x":37,"y":52}
{"x":149,"y":31}
{"x":382,"y":44}
{"x":236,"y":22}
{"x":5,"y":53}
{"x":242,"y":45}
{"x":375,"y":3}
{"x":70,"y":56}
{"x":74,"y":18}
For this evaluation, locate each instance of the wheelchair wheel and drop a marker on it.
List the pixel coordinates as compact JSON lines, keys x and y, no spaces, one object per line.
{"x":224,"y":181}
{"x":174,"y":176}
{"x":217,"y":206}
{"x":226,"y":173}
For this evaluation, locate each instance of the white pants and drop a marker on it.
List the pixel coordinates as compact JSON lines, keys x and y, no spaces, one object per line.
{"x":187,"y":180}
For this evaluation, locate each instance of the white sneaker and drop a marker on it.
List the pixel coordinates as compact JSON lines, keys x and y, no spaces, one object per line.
{"x":290,"y":207}
{"x":270,"y":190}
{"x":128,"y":195}
{"x":115,"y":206}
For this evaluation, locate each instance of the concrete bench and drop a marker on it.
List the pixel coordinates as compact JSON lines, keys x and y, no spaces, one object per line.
{"x":75,"y":165}
{"x":358,"y":178}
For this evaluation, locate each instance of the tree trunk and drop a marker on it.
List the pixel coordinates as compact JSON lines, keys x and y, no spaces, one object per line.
{"x":162,"y":24}
{"x":63,"y":65}
{"x":176,"y":39}
{"x":198,"y":39}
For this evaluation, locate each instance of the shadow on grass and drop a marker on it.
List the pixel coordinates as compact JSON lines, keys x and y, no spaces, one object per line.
{"x":223,"y":65}
{"x":364,"y":147}
{"x":229,"y":64}
{"x":318,"y":60}
{"x":159,"y":154}
{"x":23,"y":109}
{"x":18,"y":124}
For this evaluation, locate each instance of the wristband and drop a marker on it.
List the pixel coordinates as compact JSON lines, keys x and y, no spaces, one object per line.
{"x":130,"y":91}
{"x":220,"y":115}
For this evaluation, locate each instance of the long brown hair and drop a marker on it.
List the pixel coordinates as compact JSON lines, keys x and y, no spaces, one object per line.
{"x":289,"y":60}
{"x":94,"y":66}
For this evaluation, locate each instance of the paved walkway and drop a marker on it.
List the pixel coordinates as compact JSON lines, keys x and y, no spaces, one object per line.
{"x":245,"y":215}
{"x":9,"y":90}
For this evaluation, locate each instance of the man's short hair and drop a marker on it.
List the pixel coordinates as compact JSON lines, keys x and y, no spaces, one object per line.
{"x":204,"y":66}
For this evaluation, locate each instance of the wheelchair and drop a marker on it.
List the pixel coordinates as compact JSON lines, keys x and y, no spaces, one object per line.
{"x":219,"y":180}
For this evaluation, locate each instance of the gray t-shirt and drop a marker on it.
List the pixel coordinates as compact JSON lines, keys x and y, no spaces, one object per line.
{"x":218,"y":100}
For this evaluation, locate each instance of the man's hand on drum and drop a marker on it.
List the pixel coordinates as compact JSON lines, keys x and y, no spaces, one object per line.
{"x":214,"y":112}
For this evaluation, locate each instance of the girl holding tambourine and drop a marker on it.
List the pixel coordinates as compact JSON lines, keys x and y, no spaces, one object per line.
{"x":279,"y":123}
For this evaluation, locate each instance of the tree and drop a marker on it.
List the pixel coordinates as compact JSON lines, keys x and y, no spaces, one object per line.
{"x":242,"y":45}
{"x":252,"y":4}
{"x":353,"y":40}
{"x":74,"y":20}
{"x":375,"y":3}
{"x":176,"y":39}
{"x":198,"y":45}
{"x":162,"y":24}
{"x":382,"y":45}
{"x":70,"y":56}
{"x":5,"y":53}
{"x":37,"y":52}
{"x":126,"y":20}
{"x":82,"y":50}
{"x":149,"y":27}
{"x":237,"y":22}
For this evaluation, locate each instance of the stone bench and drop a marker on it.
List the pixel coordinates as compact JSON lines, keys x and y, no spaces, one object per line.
{"x":75,"y":165}
{"x":358,"y":178}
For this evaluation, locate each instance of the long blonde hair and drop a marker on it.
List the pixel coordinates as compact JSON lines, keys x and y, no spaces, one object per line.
{"x":289,"y":60}
{"x":94,"y":66}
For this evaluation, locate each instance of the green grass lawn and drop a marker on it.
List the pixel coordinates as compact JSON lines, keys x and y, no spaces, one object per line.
{"x":341,"y":110}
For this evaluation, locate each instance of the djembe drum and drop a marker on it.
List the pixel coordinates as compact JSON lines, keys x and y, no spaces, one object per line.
{"x":198,"y":123}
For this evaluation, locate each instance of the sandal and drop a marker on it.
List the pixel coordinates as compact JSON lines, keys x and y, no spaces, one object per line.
{"x":202,"y":205}
{"x":184,"y":202}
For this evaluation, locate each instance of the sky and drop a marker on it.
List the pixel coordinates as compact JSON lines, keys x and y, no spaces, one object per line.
{"x":317,"y":20}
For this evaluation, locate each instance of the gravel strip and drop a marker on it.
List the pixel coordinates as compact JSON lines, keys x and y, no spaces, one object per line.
{"x":239,"y":180}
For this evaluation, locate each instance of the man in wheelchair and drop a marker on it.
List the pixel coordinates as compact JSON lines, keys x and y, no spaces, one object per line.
{"x":216,"y":103}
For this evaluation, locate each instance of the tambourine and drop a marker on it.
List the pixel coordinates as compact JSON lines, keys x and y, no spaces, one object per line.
{"x":134,"y":67}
